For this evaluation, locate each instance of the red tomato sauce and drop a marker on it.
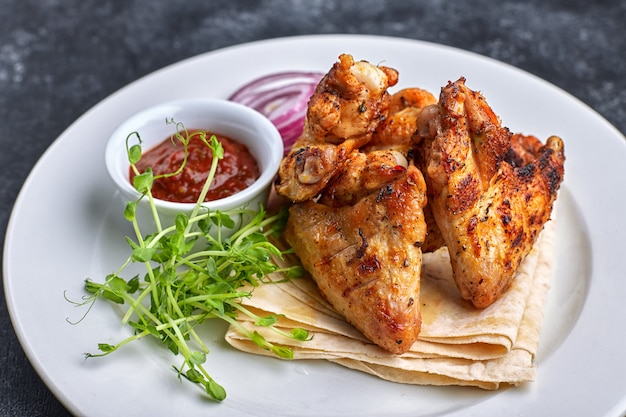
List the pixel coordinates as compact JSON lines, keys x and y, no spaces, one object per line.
{"x":235,"y":172}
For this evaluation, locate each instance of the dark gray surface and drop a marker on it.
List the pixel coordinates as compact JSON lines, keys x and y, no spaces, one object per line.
{"x":59,"y":58}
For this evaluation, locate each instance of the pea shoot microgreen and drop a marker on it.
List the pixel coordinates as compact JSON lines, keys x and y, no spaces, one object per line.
{"x":193,"y":272}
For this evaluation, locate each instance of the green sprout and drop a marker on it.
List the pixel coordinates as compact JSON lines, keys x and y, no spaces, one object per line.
{"x":193,"y":273}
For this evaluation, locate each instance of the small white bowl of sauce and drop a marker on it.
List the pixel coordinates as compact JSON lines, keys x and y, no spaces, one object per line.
{"x":253,"y":149}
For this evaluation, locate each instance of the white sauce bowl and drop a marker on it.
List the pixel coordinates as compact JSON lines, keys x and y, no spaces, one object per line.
{"x":217,"y":116}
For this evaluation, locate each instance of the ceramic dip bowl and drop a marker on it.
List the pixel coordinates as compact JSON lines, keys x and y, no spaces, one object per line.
{"x":217,"y":116}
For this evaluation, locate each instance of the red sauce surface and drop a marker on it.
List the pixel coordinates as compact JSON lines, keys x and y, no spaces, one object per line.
{"x":235,"y":172}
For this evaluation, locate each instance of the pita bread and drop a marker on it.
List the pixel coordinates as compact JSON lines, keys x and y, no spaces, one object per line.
{"x":458,"y":344}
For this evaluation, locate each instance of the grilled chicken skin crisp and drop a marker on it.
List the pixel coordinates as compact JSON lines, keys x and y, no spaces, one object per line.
{"x":342,"y":114}
{"x":490,"y":193}
{"x":397,"y":130}
{"x":363,"y":173}
{"x":366,"y":257}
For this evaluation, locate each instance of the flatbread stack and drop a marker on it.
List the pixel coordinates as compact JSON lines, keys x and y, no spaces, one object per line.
{"x":458,"y":344}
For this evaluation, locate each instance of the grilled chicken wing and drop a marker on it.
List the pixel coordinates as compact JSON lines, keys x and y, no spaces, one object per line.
{"x":361,"y":174}
{"x":345,"y":109}
{"x":397,"y":130}
{"x":490,"y":196}
{"x":366,"y":257}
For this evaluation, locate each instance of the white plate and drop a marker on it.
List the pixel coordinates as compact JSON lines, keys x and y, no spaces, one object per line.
{"x":65,"y":227}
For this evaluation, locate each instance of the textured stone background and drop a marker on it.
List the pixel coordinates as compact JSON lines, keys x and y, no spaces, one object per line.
{"x":58,"y":58}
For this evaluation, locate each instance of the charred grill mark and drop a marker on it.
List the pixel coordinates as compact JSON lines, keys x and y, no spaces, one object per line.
{"x":505,"y":212}
{"x":299,"y":151}
{"x":550,"y":169}
{"x":554,"y":178}
{"x":466,"y":193}
{"x":546,"y":166}
{"x":545,"y":158}
{"x":369,"y":265}
{"x":518,"y":239}
{"x":526,"y":172}
{"x":360,"y":252}
{"x":385,"y":191}
{"x":513,"y":158}
{"x":300,"y":156}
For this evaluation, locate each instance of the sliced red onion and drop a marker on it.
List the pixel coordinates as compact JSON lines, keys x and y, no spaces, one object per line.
{"x":283,"y":98}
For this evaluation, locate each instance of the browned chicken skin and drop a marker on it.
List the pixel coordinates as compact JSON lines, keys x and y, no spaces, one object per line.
{"x":362,"y":174}
{"x":360,"y":238}
{"x":490,"y":197}
{"x":360,"y":219}
{"x":366,"y":258}
{"x":397,"y":130}
{"x":345,"y":110}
